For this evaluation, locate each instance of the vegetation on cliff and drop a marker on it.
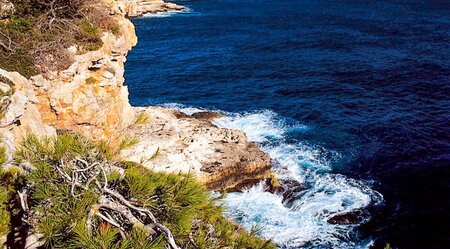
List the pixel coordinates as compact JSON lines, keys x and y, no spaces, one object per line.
{"x":35,"y":38}
{"x":74,"y":195}
{"x":6,"y":90}
{"x":4,"y":215}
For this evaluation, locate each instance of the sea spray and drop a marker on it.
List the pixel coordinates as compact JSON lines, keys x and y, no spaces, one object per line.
{"x":305,"y":221}
{"x":168,"y":13}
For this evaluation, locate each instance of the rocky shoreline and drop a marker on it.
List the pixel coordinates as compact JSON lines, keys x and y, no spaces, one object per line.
{"x":137,"y":8}
{"x":176,"y":142}
{"x":90,"y":98}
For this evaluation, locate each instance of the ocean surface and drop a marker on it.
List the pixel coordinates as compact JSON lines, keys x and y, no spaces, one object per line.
{"x":351,"y":98}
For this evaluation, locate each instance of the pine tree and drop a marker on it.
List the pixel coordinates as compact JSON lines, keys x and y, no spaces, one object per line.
{"x":77,"y":196}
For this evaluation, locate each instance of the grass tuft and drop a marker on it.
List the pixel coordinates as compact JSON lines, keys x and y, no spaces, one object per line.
{"x":128,"y":142}
{"x":3,"y":157}
{"x":4,"y":215}
{"x":142,"y":119}
{"x":89,"y":36}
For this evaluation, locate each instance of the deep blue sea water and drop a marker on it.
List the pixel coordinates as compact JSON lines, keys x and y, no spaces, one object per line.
{"x":352,"y":97}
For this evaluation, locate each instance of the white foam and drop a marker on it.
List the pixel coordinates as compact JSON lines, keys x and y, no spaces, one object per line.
{"x":298,"y":158}
{"x":304,"y":224}
{"x":166,"y":14}
{"x":183,"y":108}
{"x":259,"y":126}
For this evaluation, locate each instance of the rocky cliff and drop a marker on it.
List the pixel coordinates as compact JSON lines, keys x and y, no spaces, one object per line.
{"x":90,"y":98}
{"x":173,"y":141}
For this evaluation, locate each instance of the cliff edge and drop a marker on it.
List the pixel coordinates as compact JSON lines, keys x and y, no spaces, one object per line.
{"x":89,"y":97}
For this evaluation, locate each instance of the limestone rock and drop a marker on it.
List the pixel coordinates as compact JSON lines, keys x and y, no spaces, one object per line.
{"x":4,"y":87}
{"x":175,"y":142}
{"x":22,"y":116}
{"x":90,"y":98}
{"x":136,"y":8}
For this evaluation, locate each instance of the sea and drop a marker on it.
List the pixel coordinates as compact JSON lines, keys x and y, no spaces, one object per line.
{"x":350,"y":98}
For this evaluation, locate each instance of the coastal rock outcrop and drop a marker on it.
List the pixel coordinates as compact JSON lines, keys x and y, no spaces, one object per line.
{"x":90,"y":98}
{"x":20,"y":113}
{"x":136,"y":8}
{"x":175,"y":142}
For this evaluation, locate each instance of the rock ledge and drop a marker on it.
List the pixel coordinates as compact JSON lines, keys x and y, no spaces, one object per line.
{"x":175,"y":142}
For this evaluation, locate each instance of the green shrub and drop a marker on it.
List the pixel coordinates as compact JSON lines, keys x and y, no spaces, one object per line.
{"x":75,"y":216}
{"x":115,"y":29}
{"x":19,"y":24}
{"x":34,"y":44}
{"x":3,"y":157}
{"x":89,"y":31}
{"x":4,"y":215}
{"x":89,"y":36}
{"x":11,"y":181}
{"x":106,"y":237}
{"x":20,"y":61}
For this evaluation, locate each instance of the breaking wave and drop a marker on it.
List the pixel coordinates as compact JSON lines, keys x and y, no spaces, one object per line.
{"x":304,"y":220}
{"x":167,"y":14}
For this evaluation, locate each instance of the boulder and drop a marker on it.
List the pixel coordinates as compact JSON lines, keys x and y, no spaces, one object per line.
{"x":348,"y":218}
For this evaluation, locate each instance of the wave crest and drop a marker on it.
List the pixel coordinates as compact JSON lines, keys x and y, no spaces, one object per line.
{"x":304,"y":221}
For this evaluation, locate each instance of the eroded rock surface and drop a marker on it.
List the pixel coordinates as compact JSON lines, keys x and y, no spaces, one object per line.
{"x":21,"y":114}
{"x":136,"y":8}
{"x":175,"y":142}
{"x":90,"y":98}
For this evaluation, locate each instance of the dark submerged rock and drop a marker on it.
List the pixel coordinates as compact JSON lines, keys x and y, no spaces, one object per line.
{"x":348,"y":218}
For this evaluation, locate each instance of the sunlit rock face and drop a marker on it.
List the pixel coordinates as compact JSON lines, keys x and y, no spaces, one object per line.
{"x":175,"y":142}
{"x":90,"y":98}
{"x":135,"y":8}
